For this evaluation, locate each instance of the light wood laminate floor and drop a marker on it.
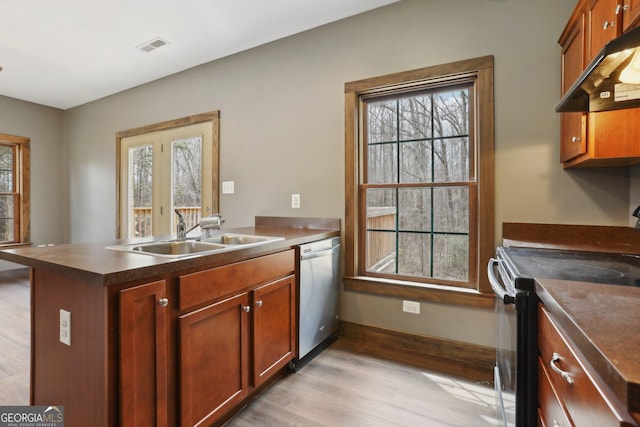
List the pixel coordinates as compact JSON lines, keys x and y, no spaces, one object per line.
{"x":340,"y":387}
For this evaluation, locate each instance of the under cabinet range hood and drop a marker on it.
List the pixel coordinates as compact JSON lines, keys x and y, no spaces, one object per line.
{"x":611,"y":81}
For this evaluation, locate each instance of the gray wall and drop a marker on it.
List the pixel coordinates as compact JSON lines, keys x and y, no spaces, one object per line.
{"x":49,"y":190}
{"x":282,"y":129}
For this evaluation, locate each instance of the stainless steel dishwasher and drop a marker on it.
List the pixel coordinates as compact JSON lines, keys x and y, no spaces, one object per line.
{"x":318,"y":298}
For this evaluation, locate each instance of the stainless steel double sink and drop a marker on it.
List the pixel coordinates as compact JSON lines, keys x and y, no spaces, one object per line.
{"x":199,"y":246}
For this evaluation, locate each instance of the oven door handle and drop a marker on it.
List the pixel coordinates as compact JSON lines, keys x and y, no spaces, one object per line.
{"x":497,"y":287}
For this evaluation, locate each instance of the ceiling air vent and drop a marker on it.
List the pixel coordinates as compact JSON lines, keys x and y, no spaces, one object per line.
{"x":152,"y":44}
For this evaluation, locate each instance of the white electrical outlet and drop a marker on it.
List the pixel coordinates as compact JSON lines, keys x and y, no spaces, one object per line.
{"x":65,"y":327}
{"x":227,"y":187}
{"x":295,"y":201}
{"x":412,"y":307}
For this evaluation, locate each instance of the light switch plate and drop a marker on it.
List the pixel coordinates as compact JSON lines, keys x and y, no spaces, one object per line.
{"x":295,"y":201}
{"x":227,"y":187}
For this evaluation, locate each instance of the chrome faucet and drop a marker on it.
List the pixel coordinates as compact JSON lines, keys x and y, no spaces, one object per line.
{"x":211,"y":222}
{"x":181,"y":228}
{"x":636,"y":213}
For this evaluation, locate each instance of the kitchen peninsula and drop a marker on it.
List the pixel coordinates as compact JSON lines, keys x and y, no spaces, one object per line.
{"x":163,"y":341}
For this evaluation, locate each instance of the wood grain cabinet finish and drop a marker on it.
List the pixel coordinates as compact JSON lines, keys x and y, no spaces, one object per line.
{"x":573,"y":137}
{"x":630,"y":13}
{"x":230,"y":347}
{"x":608,"y":138}
{"x":143,"y":355}
{"x":274,"y":328}
{"x":214,"y":357}
{"x":581,"y":395}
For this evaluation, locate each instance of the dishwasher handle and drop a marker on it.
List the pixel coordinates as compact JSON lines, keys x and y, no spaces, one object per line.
{"x":318,"y":254}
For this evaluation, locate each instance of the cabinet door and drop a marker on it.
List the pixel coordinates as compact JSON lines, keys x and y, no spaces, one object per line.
{"x":143,"y":355}
{"x":214,"y":360}
{"x":274,"y":326}
{"x":604,"y":26}
{"x":573,"y":125}
{"x":630,"y":13}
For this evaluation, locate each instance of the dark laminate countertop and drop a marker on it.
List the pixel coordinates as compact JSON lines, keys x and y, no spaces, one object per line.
{"x":95,"y":263}
{"x":604,"y":322}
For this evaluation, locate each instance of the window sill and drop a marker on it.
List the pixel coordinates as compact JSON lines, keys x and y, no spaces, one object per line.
{"x":14,"y":245}
{"x":419,"y":291}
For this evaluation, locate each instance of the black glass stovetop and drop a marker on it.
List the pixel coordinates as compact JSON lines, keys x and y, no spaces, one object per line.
{"x":582,"y":266}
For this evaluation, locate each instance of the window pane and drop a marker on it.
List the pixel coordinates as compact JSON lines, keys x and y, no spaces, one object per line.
{"x":7,"y":212}
{"x":382,"y":164}
{"x":6,"y":169}
{"x":416,"y":162}
{"x":141,"y":190}
{"x":187,"y":179}
{"x":382,"y":117}
{"x":414,"y":209}
{"x":381,"y":251}
{"x":451,"y":209}
{"x":451,"y":257}
{"x":414,"y":254}
{"x":451,"y":113}
{"x":415,"y":117}
{"x":451,"y":160}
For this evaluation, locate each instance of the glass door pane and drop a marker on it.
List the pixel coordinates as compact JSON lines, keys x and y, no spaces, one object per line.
{"x":140,"y":191}
{"x":186,"y":170}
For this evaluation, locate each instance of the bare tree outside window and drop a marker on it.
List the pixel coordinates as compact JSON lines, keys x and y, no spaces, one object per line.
{"x":417,"y":176}
{"x":7,"y":193}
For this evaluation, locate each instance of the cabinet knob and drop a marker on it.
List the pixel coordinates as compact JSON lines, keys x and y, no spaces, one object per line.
{"x":246,"y":308}
{"x":163,"y":302}
{"x":259,"y":303}
{"x":564,"y":374}
{"x":575,"y":139}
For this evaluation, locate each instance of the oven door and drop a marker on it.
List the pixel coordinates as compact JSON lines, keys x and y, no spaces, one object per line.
{"x":505,"y":371}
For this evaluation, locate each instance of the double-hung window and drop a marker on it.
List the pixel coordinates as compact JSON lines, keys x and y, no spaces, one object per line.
{"x":419,"y":189}
{"x":14,"y":189}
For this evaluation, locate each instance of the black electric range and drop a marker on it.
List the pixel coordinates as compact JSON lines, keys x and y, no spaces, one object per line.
{"x":515,"y":373}
{"x":580,"y":266}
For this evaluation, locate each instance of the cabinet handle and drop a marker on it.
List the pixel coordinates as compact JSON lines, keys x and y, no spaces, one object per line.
{"x":608,"y":24}
{"x":246,"y":308}
{"x":259,"y":303}
{"x":565,"y":375}
{"x":623,"y":8}
{"x":575,"y":139}
{"x":163,"y":302}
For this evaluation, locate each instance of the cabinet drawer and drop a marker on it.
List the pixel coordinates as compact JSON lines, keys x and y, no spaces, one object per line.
{"x":551,"y":409}
{"x":209,"y":285}
{"x":586,"y":403}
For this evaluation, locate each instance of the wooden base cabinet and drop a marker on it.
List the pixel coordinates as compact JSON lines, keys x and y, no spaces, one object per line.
{"x":274,"y":328}
{"x":143,"y":355}
{"x":229,"y":348}
{"x":214,"y":360}
{"x":570,"y":392}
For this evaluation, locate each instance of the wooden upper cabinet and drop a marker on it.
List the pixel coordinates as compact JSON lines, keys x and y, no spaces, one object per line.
{"x":605,"y":22}
{"x":630,"y":14}
{"x":573,"y":136}
{"x":607,"y":138}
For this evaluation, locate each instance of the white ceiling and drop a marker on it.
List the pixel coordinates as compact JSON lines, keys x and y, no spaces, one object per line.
{"x":69,"y":52}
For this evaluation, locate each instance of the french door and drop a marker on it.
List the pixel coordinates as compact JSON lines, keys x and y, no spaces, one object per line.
{"x":162,"y":171}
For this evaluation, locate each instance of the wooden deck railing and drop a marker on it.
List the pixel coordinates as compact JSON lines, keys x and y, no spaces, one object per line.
{"x":381,"y":247}
{"x":141,"y":226}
